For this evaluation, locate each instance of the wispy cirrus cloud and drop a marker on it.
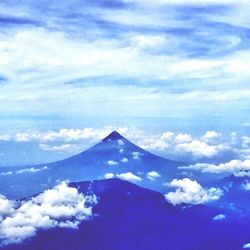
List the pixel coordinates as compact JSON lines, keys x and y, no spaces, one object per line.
{"x":179,"y":50}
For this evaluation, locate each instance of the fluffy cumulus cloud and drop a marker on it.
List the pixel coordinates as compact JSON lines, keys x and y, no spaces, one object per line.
{"x":128,"y":176}
{"x":61,"y":206}
{"x":247,"y":245}
{"x":112,"y":163}
{"x":191,"y":192}
{"x":109,"y":176}
{"x":124,"y":160}
{"x":237,"y":167}
{"x":219,"y":217}
{"x":153,"y":175}
{"x":246,"y":186}
{"x":185,"y":146}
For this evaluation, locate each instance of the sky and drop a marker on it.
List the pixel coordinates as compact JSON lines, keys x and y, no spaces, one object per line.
{"x":147,"y":66}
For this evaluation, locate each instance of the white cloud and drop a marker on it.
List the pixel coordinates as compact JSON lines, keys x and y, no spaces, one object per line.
{"x":183,"y":144}
{"x":129,"y":177}
{"x":112,"y":163}
{"x":124,"y":160}
{"x":61,"y":206}
{"x":153,"y":175}
{"x":219,"y":217}
{"x":237,"y":167}
{"x":109,"y":176}
{"x":60,"y":148}
{"x":168,"y":136}
{"x":182,"y":138}
{"x":246,"y":186}
{"x":69,"y":134}
{"x":6,"y":173}
{"x":191,"y":192}
{"x":120,"y":142}
{"x":247,"y":245}
{"x":137,"y":155}
{"x":6,"y":207}
{"x":5,"y":137}
{"x":200,"y":149}
{"x":24,"y":170}
{"x":31,"y":170}
{"x":210,"y":136}
{"x":22,"y":137}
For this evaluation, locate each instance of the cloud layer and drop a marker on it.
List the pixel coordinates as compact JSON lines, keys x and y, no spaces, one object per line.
{"x":61,"y":206}
{"x":191,"y":59}
{"x":236,"y":167}
{"x":211,"y":146}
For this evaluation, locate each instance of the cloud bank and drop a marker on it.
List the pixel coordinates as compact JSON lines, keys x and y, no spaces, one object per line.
{"x":237,"y":167}
{"x":61,"y":206}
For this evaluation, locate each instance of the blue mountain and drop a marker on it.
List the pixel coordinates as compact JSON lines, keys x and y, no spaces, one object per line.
{"x":236,"y":193}
{"x":114,"y":155}
{"x":134,"y":218}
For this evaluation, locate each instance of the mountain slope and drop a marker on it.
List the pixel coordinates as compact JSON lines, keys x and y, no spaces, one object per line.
{"x":130,"y":217}
{"x":114,"y":155}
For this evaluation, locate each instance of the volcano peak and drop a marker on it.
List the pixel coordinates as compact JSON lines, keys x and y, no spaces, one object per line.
{"x":114,"y":135}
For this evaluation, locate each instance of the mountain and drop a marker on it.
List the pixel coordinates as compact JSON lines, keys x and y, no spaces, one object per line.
{"x":114,"y":156}
{"x":130,"y":217}
{"x":236,"y":193}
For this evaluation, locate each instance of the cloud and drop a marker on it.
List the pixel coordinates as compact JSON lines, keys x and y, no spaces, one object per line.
{"x":112,"y":163}
{"x":24,"y":170}
{"x":6,"y":173}
{"x":124,"y":160}
{"x":120,"y":142}
{"x":219,"y":217}
{"x":76,"y":134}
{"x":61,"y":206}
{"x":109,"y":176}
{"x":211,"y":136}
{"x":58,"y":148}
{"x":191,"y":192}
{"x":5,"y":137}
{"x":31,"y":170}
{"x":136,"y":155}
{"x":246,"y":186}
{"x":129,"y":177}
{"x":184,"y":145}
{"x":166,"y":47}
{"x":200,"y":149}
{"x":237,"y":167}
{"x":6,"y":207}
{"x":153,"y":175}
{"x":247,"y":245}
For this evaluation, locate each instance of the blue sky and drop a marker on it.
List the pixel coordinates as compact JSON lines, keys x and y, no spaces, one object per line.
{"x":159,"y":66}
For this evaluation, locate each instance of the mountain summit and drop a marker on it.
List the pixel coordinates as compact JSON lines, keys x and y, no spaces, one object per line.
{"x":112,"y":157}
{"x":113,"y":136}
